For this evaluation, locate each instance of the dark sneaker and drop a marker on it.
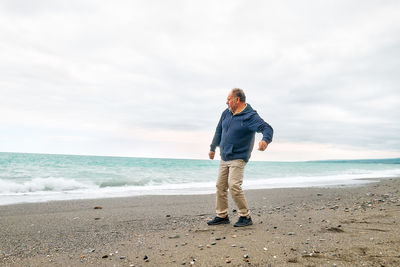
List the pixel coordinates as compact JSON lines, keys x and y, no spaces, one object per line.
{"x":243,"y":221}
{"x":219,"y":220}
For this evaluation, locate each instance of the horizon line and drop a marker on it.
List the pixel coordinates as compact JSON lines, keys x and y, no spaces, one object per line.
{"x":178,"y":158}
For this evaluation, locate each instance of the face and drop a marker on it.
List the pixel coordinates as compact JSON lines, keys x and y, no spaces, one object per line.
{"x":232,"y":102}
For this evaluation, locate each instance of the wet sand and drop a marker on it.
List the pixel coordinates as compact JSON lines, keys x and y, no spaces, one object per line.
{"x":341,"y":226}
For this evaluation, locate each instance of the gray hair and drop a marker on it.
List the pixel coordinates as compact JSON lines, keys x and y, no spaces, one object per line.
{"x":237,"y":92}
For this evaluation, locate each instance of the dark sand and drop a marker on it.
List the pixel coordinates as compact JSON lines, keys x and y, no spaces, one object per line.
{"x":341,"y":226}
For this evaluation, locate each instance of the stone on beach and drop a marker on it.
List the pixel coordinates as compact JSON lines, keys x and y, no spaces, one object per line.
{"x":88,"y":250}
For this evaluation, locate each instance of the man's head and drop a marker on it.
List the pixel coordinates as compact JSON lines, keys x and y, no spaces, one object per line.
{"x":236,"y":99}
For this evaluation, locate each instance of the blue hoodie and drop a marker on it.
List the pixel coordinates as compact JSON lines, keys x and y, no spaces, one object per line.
{"x":235,"y":133}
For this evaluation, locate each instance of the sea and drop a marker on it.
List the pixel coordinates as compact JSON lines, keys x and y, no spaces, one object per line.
{"x":27,"y":178}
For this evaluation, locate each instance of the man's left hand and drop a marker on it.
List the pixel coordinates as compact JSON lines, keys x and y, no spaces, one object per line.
{"x":262,"y":145}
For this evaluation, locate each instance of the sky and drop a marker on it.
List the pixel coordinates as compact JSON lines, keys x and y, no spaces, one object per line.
{"x":151,"y":78}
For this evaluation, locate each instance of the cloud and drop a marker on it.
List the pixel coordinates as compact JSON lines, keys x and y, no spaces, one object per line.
{"x":86,"y":73}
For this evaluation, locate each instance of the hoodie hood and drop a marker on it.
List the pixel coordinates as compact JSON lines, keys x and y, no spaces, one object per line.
{"x":247,"y":110}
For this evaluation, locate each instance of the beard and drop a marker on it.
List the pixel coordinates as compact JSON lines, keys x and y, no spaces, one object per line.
{"x":232,"y":109}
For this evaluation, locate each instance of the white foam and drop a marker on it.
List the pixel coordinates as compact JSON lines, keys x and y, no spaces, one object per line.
{"x":48,"y":189}
{"x":107,"y":192}
{"x":40,"y":184}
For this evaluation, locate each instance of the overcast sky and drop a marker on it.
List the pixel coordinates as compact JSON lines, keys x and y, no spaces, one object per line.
{"x":150,"y":78}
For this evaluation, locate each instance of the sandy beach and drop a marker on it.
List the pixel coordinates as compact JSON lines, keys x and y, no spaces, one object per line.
{"x":341,"y":226}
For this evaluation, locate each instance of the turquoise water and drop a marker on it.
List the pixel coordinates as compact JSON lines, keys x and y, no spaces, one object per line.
{"x":43,"y":177}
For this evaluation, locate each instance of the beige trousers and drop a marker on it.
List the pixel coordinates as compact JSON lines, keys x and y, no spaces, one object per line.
{"x":230,"y":177}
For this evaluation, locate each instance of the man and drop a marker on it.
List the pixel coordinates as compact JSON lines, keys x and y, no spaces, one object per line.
{"x":235,"y":136}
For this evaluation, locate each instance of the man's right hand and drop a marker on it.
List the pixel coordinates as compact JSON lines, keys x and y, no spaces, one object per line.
{"x":211,"y":154}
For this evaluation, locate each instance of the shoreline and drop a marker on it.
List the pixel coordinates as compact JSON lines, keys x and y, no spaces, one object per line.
{"x":315,"y":226}
{"x":350,"y":183}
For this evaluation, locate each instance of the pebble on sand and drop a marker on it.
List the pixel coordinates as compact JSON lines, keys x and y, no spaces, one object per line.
{"x":88,"y":250}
